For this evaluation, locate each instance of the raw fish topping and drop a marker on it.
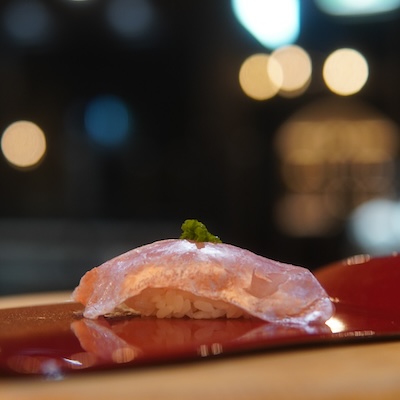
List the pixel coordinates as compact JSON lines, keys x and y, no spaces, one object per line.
{"x":229,"y":278}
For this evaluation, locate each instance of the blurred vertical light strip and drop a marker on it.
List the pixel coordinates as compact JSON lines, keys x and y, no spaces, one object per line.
{"x":357,"y":8}
{"x":272,"y":23}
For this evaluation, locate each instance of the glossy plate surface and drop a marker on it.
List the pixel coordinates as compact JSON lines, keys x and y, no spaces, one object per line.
{"x":55,"y":340}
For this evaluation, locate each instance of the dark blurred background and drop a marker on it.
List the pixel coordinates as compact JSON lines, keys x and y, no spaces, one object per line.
{"x":146,"y":123}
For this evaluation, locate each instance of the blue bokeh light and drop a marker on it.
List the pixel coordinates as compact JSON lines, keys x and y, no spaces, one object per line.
{"x":108,"y":121}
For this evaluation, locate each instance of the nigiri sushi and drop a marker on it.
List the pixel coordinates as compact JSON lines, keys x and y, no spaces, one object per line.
{"x":176,"y":278}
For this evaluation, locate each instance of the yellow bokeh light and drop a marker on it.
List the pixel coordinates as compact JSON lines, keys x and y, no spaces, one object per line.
{"x":23,"y":144}
{"x":296,"y":69}
{"x":345,"y":71}
{"x":260,"y":77}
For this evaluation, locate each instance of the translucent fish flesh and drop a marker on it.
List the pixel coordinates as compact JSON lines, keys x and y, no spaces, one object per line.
{"x":177,"y":278}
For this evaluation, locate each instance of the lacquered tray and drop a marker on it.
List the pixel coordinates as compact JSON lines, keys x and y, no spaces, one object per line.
{"x":54,"y":340}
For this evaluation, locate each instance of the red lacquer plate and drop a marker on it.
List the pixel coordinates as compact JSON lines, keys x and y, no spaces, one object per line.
{"x":54,"y":340}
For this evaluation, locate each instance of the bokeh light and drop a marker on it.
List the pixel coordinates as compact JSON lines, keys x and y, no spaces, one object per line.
{"x":260,"y":77}
{"x":334,"y":155}
{"x":345,"y":71}
{"x":357,"y":8}
{"x":272,"y":23}
{"x":375,"y":226}
{"x":130,"y":18}
{"x":26,"y":21}
{"x":108,"y":121}
{"x":23,"y":144}
{"x":296,"y":70}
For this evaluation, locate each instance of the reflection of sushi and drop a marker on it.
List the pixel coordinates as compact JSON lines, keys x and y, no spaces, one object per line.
{"x":143,"y":339}
{"x":183,"y":278}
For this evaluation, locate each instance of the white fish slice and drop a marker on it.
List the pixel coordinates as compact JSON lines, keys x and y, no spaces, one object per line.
{"x":213,"y":272}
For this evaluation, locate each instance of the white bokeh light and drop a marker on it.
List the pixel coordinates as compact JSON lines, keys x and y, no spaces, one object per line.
{"x":357,"y":8}
{"x":375,"y":226}
{"x":272,"y":23}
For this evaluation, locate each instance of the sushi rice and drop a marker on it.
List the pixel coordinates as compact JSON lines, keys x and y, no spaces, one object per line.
{"x":175,"y":303}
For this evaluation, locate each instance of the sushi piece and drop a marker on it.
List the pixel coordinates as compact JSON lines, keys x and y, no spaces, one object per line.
{"x":176,"y":278}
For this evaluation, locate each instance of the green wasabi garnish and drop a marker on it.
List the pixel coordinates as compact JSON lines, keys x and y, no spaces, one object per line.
{"x":195,"y":230}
